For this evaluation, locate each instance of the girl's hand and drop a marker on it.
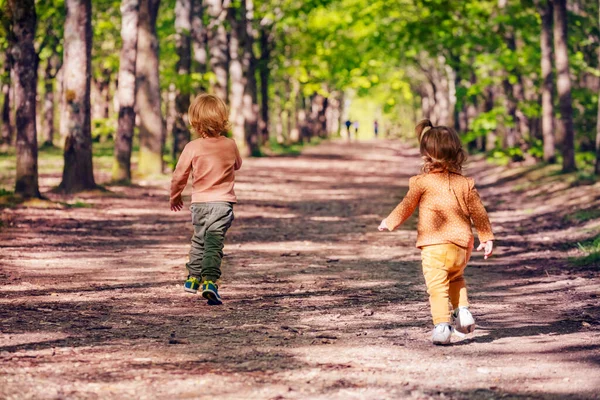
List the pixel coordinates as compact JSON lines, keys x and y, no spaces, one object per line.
{"x":383,"y":226}
{"x":487,"y":247}
{"x":177,"y":204}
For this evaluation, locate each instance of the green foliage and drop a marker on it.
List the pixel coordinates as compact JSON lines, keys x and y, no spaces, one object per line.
{"x":584,"y":215}
{"x":506,"y":155}
{"x":103,"y":129}
{"x":591,"y":253}
{"x":106,"y":31}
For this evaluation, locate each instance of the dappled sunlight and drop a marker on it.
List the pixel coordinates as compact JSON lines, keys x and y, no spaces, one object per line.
{"x":317,"y":302}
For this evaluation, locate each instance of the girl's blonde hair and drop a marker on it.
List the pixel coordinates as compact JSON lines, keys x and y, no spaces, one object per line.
{"x":208,"y":116}
{"x":441,"y":147}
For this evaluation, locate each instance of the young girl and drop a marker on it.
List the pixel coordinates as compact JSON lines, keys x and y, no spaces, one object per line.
{"x":448,"y":202}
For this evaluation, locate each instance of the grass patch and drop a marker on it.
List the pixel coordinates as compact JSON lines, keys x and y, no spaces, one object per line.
{"x":8,"y":199}
{"x":584,"y":215}
{"x":591,"y":253}
{"x":79,"y":204}
{"x":281,"y":149}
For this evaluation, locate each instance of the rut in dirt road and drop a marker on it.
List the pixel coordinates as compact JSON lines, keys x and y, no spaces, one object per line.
{"x":317,"y":302}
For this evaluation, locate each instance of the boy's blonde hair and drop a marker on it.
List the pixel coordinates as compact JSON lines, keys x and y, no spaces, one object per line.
{"x":440,"y":147}
{"x":208,"y":116}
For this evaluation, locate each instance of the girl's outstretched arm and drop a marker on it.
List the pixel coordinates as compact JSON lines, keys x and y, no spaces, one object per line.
{"x":406,"y":207}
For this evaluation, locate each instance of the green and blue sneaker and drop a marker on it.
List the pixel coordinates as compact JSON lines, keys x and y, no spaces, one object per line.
{"x":210,"y":293}
{"x":191,"y":285}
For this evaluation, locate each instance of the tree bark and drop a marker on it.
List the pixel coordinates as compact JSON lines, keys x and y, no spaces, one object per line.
{"x":217,"y":43}
{"x":48,"y":105}
{"x":547,"y":83}
{"x":126,"y":90}
{"x":563,"y":83}
{"x":183,"y":29}
{"x":78,"y":173}
{"x":25,"y":58}
{"x":7,"y":126}
{"x":488,"y":105}
{"x":266,"y":43}
{"x":101,"y":95}
{"x":148,"y":96}
{"x":199,"y":37}
{"x":236,"y":75}
{"x":250,"y":99}
{"x":597,"y":167}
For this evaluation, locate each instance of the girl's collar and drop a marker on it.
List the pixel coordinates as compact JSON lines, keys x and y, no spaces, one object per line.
{"x":441,"y":171}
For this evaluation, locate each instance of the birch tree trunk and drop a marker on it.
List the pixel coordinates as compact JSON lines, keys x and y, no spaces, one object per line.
{"x":183,"y":30}
{"x":217,"y":43}
{"x":126,"y":90}
{"x":563,"y":83}
{"x":547,"y":83}
{"x":25,"y":59}
{"x":148,"y":96}
{"x":78,"y":173}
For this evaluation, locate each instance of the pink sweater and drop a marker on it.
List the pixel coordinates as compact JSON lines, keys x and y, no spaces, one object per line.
{"x":212,"y":162}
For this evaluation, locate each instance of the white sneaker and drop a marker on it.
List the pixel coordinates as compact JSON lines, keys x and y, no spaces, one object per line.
{"x":463,"y":320}
{"x":441,"y":334}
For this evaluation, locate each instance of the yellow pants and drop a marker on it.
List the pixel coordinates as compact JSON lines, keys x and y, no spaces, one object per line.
{"x":443,"y":268}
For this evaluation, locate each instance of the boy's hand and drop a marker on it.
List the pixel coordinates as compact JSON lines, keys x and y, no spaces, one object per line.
{"x":383,"y":226}
{"x":177,"y":204}
{"x":487,"y":247}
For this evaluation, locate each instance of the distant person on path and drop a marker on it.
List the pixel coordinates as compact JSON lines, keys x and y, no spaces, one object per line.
{"x":212,"y":160}
{"x":376,"y":128}
{"x":348,"y":125}
{"x":448,"y":202}
{"x":356,"y":129}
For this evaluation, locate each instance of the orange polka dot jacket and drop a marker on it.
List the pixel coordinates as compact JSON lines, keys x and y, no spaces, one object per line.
{"x":447,"y":202}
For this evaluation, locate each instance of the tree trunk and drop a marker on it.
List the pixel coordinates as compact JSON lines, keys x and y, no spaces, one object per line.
{"x":148,"y":99}
{"x":333,"y":114}
{"x":597,"y":167}
{"x":126,"y":90}
{"x":101,"y":95}
{"x":266,"y":40}
{"x":48,"y":106}
{"x":78,"y":173}
{"x":250,"y":99}
{"x":236,"y":75}
{"x":7,"y":93}
{"x":488,"y":105}
{"x":199,"y":37}
{"x":563,"y":83}
{"x":217,"y":43}
{"x":183,"y":29}
{"x":548,"y":83}
{"x":25,"y":58}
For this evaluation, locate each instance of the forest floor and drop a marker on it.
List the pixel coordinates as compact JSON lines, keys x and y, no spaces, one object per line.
{"x":318,"y":303}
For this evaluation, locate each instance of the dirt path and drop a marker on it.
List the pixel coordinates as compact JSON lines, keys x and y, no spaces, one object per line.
{"x":318,"y":304}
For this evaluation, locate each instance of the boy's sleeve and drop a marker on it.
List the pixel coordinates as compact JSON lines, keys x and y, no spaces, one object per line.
{"x":238,"y":158}
{"x":479,"y":214}
{"x":407,"y":206}
{"x":181,"y":173}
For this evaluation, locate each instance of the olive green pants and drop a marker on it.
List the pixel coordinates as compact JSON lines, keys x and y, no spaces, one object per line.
{"x":211,"y":221}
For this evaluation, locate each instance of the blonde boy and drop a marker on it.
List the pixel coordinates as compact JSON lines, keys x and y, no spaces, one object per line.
{"x":212,"y":159}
